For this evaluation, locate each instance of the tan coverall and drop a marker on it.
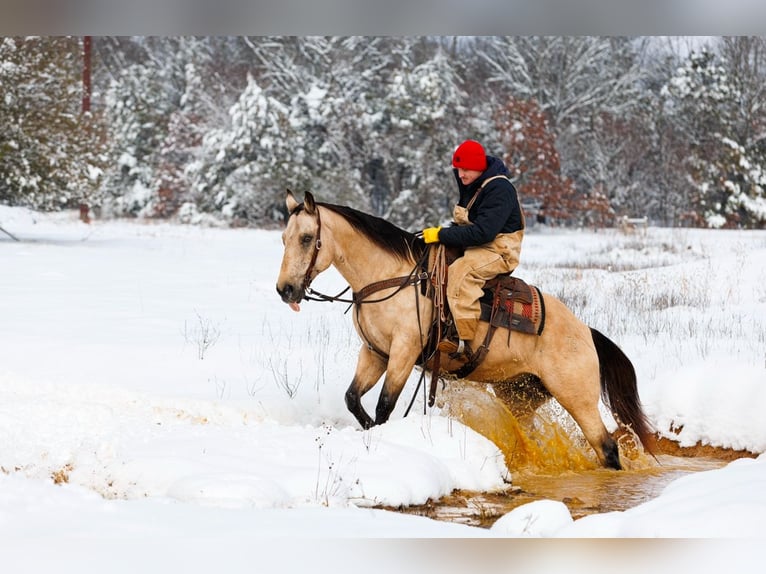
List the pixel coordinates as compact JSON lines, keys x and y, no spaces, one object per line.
{"x":467,"y":275}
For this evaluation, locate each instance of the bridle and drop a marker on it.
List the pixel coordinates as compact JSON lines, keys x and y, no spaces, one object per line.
{"x":361,"y":296}
{"x":308,"y":293}
{"x":306,"y":286}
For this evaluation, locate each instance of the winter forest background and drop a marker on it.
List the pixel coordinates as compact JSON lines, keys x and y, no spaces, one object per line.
{"x":214,"y":129}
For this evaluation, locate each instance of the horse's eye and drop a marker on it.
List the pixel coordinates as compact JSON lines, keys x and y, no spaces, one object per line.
{"x":307,"y":239}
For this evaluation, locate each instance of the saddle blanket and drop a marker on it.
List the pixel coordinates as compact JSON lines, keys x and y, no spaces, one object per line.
{"x":511,"y":303}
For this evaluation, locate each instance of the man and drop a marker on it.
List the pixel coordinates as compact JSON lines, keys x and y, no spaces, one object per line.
{"x":490,"y":228}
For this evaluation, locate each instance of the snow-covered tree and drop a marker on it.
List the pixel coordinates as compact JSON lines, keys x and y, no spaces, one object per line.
{"x":368,"y":122}
{"x":195,"y":110}
{"x":725,"y":170}
{"x":571,"y":78}
{"x":282,"y":132}
{"x":50,"y":155}
{"x":426,"y":108}
{"x":578,"y":83}
{"x":738,"y":196}
{"x":159,"y":99}
{"x":137,"y":108}
{"x":240,"y":161}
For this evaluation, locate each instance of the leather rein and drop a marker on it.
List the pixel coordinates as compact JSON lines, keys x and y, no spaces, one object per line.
{"x":359,"y":297}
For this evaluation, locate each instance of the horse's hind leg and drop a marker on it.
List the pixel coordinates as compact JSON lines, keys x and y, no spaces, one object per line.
{"x":589,"y":419}
{"x":369,"y":368}
{"x":581,"y":401}
{"x":599,"y":438}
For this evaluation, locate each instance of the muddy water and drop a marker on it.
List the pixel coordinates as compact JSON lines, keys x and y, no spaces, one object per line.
{"x":549,"y":459}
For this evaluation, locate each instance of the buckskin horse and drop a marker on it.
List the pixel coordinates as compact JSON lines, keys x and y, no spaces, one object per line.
{"x":572,"y":362}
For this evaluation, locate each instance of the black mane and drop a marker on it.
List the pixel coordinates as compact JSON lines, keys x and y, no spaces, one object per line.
{"x":384,"y":234}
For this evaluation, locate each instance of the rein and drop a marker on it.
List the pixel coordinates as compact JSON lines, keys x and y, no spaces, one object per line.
{"x":359,"y":297}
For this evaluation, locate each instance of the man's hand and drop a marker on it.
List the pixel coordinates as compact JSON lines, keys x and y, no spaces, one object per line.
{"x":431,"y":234}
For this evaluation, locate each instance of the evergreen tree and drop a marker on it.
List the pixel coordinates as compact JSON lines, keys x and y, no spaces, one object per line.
{"x":239,"y":162}
{"x":727,"y":176}
{"x":426,"y":108}
{"x":154,"y":104}
{"x":137,"y":108}
{"x":188,"y":122}
{"x":49,"y":151}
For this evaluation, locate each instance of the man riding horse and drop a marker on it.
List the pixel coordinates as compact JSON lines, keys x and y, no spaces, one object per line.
{"x":567,"y":360}
{"x":490,"y":229}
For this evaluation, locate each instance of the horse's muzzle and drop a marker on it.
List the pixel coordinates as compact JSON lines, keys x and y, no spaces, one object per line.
{"x":291,"y":294}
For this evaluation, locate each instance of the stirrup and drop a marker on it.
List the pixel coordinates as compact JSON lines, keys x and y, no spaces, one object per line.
{"x":463,"y":352}
{"x":448,"y":346}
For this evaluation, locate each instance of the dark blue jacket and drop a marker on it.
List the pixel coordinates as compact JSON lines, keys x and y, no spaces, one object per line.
{"x":496,"y":209}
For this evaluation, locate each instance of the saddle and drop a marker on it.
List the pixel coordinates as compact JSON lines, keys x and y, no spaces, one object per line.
{"x":512,"y":303}
{"x":507,"y":302}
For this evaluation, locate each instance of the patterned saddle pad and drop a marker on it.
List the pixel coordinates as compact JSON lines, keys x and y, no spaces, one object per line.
{"x":511,"y":303}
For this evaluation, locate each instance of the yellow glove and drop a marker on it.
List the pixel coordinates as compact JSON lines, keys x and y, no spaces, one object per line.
{"x":431,"y":234}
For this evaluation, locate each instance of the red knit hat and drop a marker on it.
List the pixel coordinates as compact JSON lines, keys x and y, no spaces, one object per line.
{"x":470,"y":155}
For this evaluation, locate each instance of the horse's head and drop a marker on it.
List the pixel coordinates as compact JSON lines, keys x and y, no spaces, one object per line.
{"x":302,"y":259}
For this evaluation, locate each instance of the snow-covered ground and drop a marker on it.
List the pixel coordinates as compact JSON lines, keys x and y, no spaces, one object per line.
{"x":158,"y":401}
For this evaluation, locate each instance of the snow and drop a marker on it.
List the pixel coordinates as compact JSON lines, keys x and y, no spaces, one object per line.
{"x":158,"y":402}
{"x":539,"y":519}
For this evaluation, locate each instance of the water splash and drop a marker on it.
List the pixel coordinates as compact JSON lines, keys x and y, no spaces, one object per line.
{"x":546,"y":441}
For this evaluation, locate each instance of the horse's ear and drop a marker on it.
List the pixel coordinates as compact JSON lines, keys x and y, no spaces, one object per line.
{"x":309,"y":203}
{"x":291,"y":202}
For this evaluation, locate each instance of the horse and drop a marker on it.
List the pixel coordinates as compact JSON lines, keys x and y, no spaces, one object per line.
{"x":571,"y":362}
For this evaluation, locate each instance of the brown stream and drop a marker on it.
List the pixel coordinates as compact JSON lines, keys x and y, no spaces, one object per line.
{"x":551,"y":460}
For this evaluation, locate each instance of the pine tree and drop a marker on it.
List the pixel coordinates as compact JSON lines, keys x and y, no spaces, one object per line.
{"x":727,"y":175}
{"x":187,"y":124}
{"x":426,"y":106}
{"x":50,"y":155}
{"x":239,"y":162}
{"x":137,"y":109}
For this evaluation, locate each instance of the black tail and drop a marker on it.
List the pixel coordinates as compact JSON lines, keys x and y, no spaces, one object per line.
{"x":620,"y":391}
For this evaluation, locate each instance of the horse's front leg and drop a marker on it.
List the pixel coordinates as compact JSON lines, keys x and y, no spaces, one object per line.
{"x":400,"y":365}
{"x":369,"y":367}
